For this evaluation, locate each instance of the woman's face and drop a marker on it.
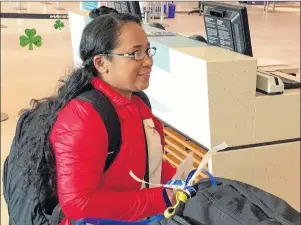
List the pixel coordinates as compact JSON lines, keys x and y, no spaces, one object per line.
{"x":124,"y":73}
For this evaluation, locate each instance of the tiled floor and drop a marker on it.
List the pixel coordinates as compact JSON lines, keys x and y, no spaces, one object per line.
{"x":34,"y":74}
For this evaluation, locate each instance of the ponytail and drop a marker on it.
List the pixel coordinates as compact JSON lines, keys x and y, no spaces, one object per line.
{"x":36,"y":156}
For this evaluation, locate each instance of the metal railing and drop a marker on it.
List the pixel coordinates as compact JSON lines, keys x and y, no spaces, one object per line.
{"x":155,"y":10}
{"x":266,"y":5}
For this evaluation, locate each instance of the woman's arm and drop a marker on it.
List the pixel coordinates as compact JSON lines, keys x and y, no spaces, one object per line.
{"x":80,"y":142}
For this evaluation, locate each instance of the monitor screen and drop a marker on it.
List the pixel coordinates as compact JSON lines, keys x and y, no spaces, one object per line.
{"x":227,"y":27}
{"x":131,"y":7}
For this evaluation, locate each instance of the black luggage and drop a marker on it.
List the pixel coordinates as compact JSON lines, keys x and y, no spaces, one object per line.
{"x":232,"y":203}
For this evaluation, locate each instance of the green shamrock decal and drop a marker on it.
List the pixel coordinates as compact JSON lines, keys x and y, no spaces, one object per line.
{"x":58,"y":25}
{"x":31,"y":39}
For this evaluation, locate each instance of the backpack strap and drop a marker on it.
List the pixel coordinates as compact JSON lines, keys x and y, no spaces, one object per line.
{"x":144,"y":98}
{"x":146,"y":174}
{"x":110,"y":118}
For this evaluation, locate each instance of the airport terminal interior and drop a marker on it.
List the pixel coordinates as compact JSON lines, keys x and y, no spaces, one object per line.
{"x":242,"y":87}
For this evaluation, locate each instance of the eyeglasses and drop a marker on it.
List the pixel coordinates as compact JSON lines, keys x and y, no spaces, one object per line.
{"x":137,"y":55}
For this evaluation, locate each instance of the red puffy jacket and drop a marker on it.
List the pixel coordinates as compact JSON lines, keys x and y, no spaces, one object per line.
{"x":80,"y":143}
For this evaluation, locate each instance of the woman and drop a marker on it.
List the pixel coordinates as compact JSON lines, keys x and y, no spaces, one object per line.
{"x":79,"y":138}
{"x":66,"y":146}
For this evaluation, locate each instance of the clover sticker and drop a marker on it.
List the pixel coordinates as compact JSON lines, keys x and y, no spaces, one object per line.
{"x":58,"y":25}
{"x":30,"y":39}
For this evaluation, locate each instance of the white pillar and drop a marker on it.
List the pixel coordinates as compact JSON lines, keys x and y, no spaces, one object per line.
{"x":58,"y":6}
{"x":162,"y":13}
{"x":19,"y":6}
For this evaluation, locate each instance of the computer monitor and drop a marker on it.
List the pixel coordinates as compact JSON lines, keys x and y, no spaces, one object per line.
{"x":131,"y":7}
{"x":227,"y":26}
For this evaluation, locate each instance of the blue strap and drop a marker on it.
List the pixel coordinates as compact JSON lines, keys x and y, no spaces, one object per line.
{"x":181,"y":183}
{"x":166,"y":199}
{"x":211,"y":178}
{"x":189,"y":176}
{"x":190,"y":191}
{"x":95,"y":221}
{"x":176,"y":182}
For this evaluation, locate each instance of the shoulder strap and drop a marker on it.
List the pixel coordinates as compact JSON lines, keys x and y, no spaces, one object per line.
{"x":110,"y":118}
{"x":144,"y":98}
{"x":146,"y":173}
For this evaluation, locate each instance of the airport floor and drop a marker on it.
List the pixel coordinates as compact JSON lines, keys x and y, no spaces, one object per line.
{"x":34,"y":74}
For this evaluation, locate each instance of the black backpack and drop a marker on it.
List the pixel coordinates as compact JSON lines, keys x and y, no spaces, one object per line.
{"x":23,"y":212}
{"x":232,"y":203}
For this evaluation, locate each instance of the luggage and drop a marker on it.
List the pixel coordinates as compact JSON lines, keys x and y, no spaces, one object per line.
{"x":231,"y":203}
{"x":218,"y":201}
{"x":22,"y":210}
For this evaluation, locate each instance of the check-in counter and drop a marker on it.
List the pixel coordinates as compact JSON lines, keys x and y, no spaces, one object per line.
{"x":209,"y":95}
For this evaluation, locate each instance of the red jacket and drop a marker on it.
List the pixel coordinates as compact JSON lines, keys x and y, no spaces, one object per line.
{"x":80,"y":143}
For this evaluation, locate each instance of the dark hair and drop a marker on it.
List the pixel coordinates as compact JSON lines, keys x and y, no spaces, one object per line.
{"x":36,"y":156}
{"x":157,"y":25}
{"x":102,"y":10}
{"x":198,"y":38}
